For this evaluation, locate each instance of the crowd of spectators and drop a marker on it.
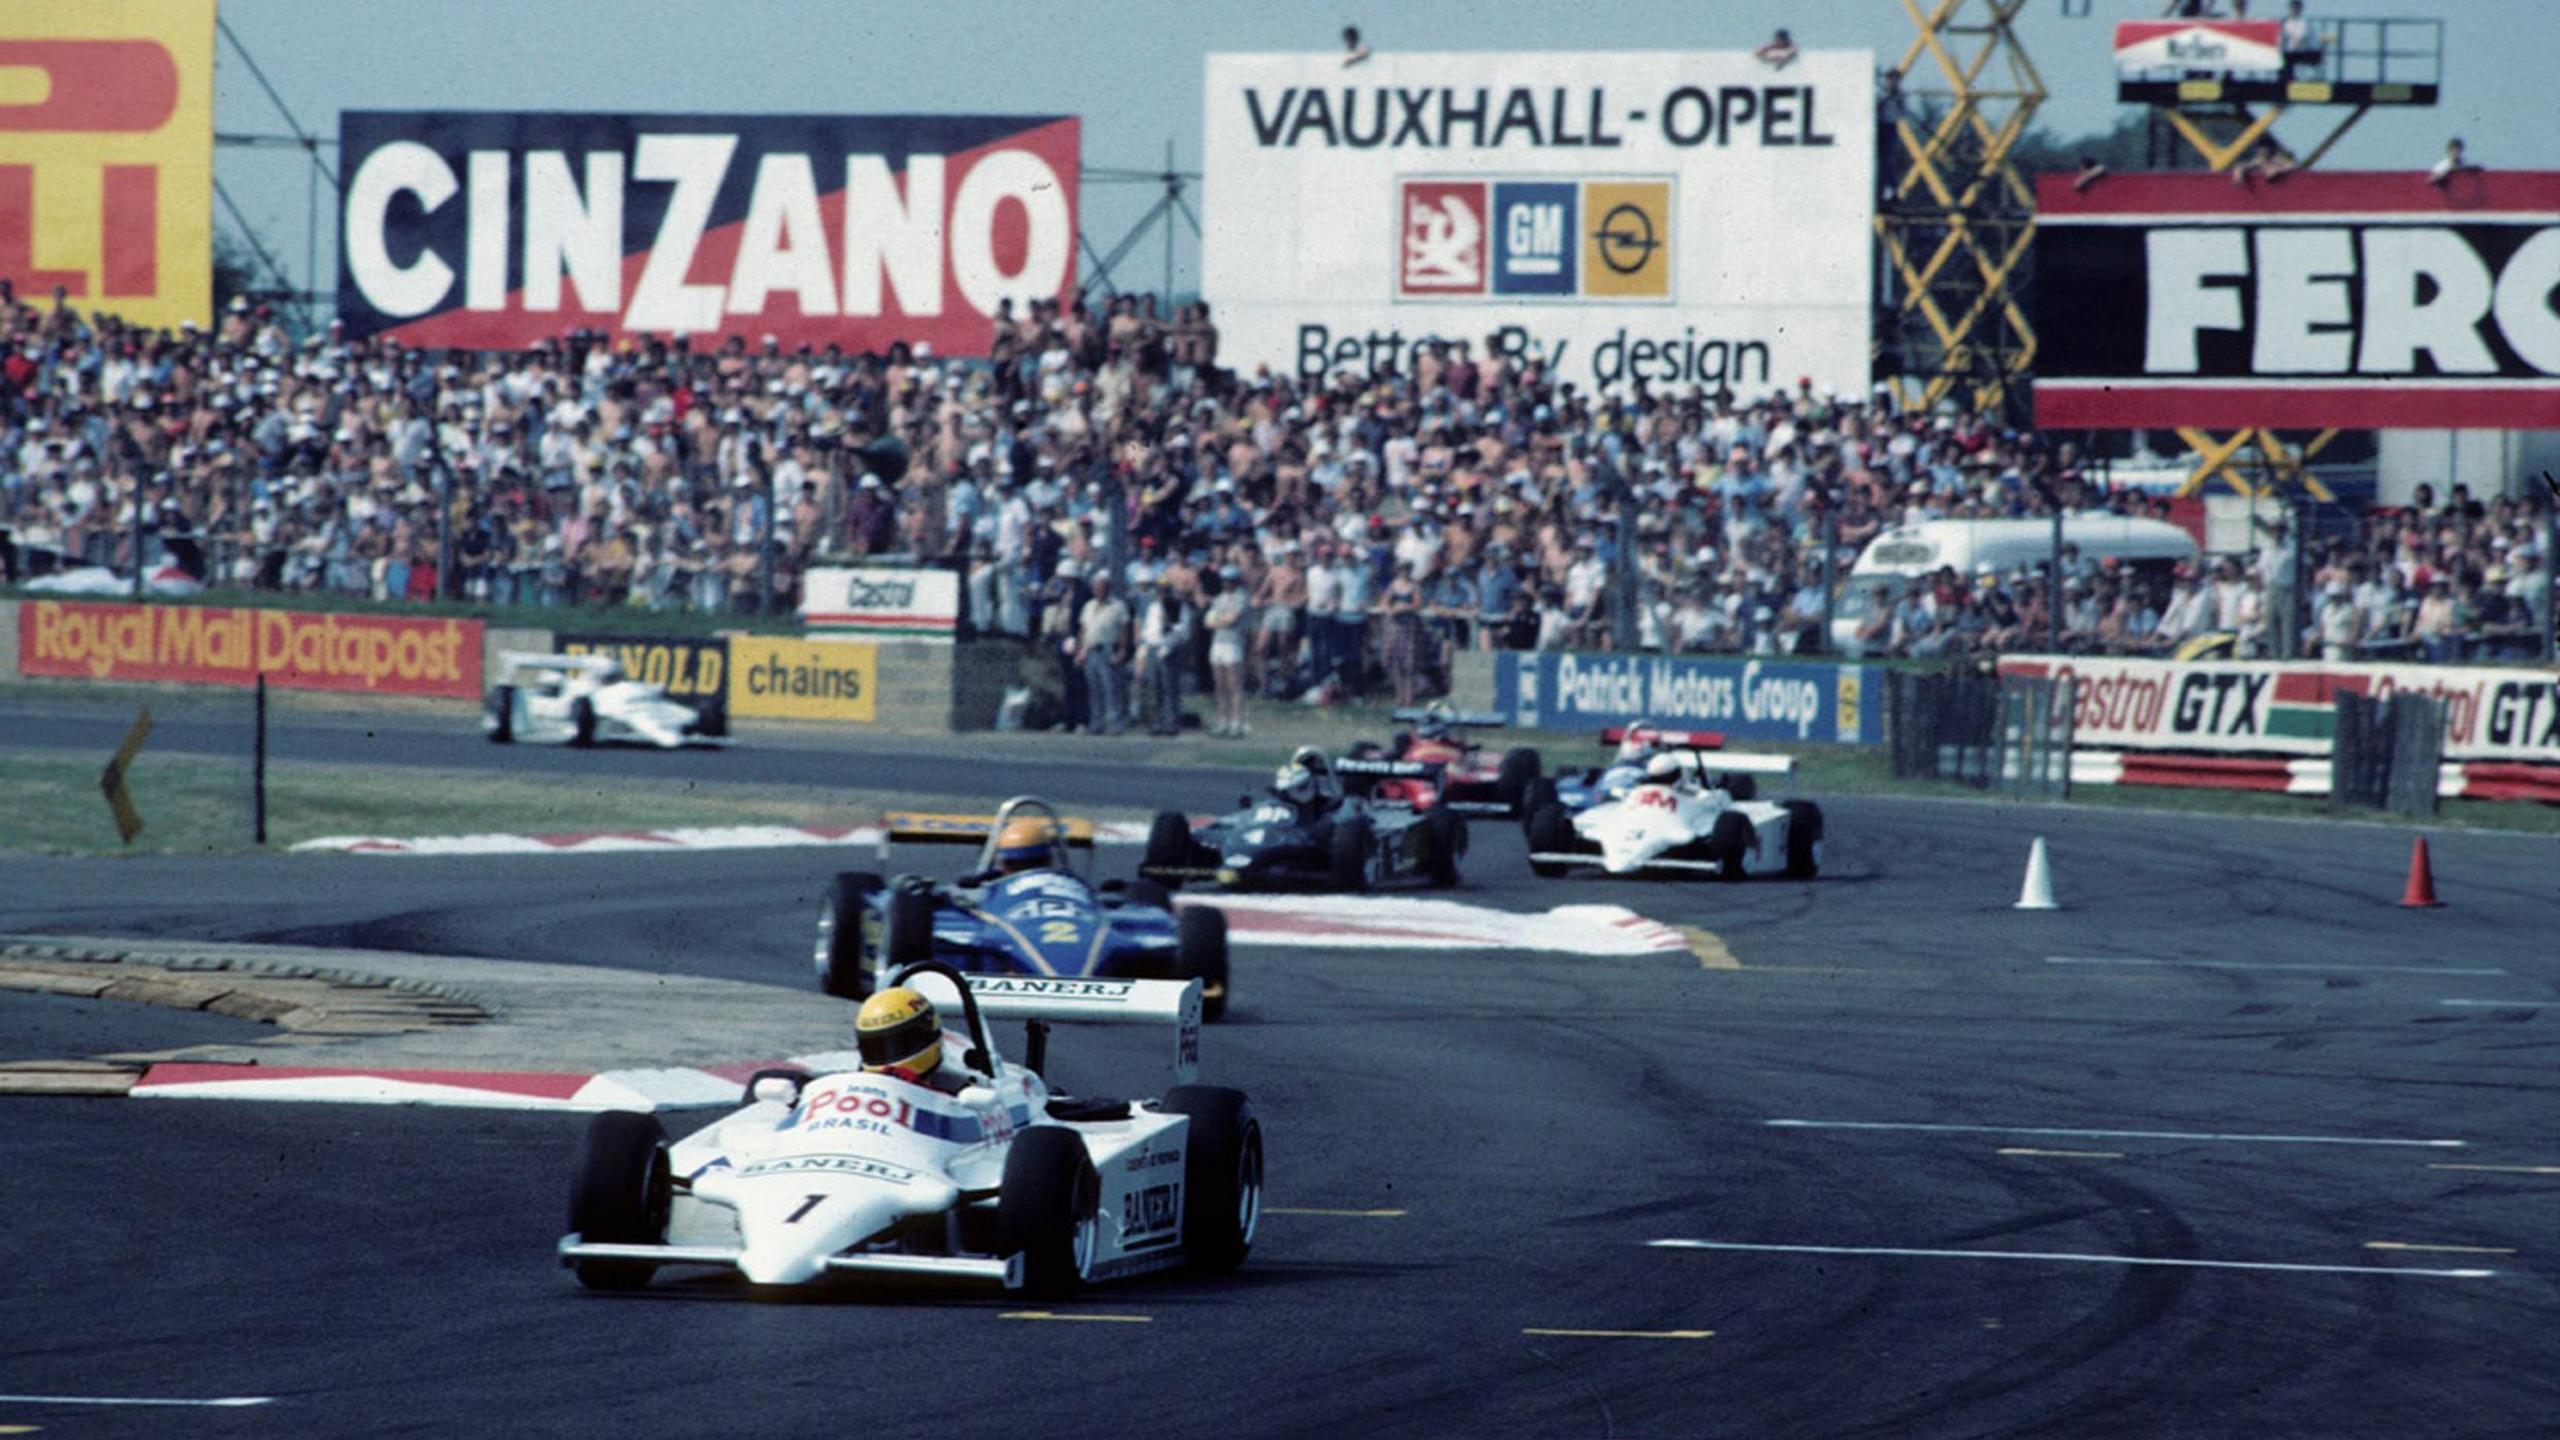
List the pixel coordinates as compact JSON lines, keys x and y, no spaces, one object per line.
{"x":1153,"y":519}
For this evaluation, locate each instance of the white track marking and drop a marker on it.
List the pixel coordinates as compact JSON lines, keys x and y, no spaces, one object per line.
{"x":2256,"y":965}
{"x":227,"y":1402}
{"x":1624,"y":1334}
{"x":2495,"y":1004}
{"x":2066,"y":1257}
{"x":2109,"y":1134}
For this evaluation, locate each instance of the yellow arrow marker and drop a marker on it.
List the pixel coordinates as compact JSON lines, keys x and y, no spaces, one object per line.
{"x":1626,"y":1334}
{"x":2060,"y":1154}
{"x":1344,"y":1214}
{"x":2505,"y":1169}
{"x":111,"y":780}
{"x":1056,"y":1315}
{"x":2440,"y":1249}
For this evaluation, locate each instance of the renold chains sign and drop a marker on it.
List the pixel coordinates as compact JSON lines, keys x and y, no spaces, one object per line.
{"x":1673,"y":218}
{"x":2326,"y":299}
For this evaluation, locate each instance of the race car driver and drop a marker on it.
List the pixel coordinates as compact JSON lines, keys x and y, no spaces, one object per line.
{"x":1026,"y":844}
{"x":1295,"y":784}
{"x":900,"y":1035}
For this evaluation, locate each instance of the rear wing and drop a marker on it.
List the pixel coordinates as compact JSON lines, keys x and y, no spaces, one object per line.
{"x":1672,"y":739}
{"x":1359,"y":777}
{"x":1479,"y":719}
{"x":910,"y":828}
{"x":1749,"y":764}
{"x":511,"y":660}
{"x":1084,"y":1000}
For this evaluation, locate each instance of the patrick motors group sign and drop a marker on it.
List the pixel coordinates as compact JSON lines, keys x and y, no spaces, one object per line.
{"x":497,"y":229}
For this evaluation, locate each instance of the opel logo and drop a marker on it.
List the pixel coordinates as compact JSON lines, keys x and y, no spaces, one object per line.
{"x":1626,"y":237}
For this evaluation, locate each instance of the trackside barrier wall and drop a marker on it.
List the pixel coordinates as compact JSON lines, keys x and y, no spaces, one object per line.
{"x":416,"y":655}
{"x":8,"y":637}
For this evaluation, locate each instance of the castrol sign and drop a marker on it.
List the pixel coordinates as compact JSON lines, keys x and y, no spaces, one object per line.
{"x":494,"y":230}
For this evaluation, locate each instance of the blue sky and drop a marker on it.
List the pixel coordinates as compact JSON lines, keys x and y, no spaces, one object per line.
{"x":1132,"y":68}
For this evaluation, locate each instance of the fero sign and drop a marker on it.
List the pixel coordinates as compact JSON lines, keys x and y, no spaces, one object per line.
{"x":2322,"y":299}
{"x":106,"y":155}
{"x":498,"y":229}
{"x":1667,"y":218}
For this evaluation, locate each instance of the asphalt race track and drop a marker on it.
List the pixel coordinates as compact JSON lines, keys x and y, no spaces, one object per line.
{"x":2231,"y":1146}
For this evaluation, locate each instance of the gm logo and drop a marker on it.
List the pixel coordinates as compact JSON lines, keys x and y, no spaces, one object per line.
{"x":1547,"y":239}
{"x":106,"y":156}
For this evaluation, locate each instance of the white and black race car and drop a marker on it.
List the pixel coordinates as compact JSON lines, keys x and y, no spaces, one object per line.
{"x":832,"y":1170}
{"x":1687,"y":814}
{"x":588,"y":700}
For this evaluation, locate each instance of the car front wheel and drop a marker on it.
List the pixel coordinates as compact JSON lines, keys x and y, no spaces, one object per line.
{"x":622,"y":1195}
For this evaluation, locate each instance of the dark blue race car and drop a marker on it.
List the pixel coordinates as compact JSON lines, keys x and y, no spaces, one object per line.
{"x":1024,"y":910}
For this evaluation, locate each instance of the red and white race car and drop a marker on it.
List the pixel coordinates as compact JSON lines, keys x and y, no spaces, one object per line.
{"x":1467,"y":777}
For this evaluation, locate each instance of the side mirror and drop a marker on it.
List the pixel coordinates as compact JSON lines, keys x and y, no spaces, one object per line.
{"x":775,"y":1088}
{"x":976,"y":1095}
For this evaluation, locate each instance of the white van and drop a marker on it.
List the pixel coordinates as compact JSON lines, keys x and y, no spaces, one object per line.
{"x":1907,"y":552}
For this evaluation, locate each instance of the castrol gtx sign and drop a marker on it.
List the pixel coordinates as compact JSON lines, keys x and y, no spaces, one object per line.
{"x":2314,"y":299}
{"x":497,"y":229}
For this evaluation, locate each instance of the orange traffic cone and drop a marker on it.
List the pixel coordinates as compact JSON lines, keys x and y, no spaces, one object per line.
{"x":2421,"y":894}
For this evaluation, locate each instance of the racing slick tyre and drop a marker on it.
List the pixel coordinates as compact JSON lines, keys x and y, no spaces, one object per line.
{"x":1742,"y":787}
{"x":1049,"y":1210}
{"x":1143,"y":891}
{"x":1729,"y":844}
{"x":843,"y":969}
{"x":1551,"y":833}
{"x":1540,"y":794}
{"x":1200,"y":953}
{"x":713,"y":717}
{"x":1169,"y":849}
{"x":1352,"y":842}
{"x":1804,"y":835}
{"x":1511,"y":782}
{"x":906,"y":924}
{"x":1221,"y":1175}
{"x":502,"y":715}
{"x":622,"y":1194}
{"x":582,"y":723}
{"x":1444,"y":842}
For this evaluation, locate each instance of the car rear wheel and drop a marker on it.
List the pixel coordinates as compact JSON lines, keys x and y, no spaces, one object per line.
{"x":1550,"y":833}
{"x":1444,"y":837}
{"x":1049,"y":1211}
{"x":582,"y":722}
{"x":1729,"y":844}
{"x":1349,"y":856}
{"x":844,"y":968}
{"x":1804,"y":839}
{"x":1511,"y":782}
{"x":502,"y":715}
{"x":1169,"y":849}
{"x":1200,"y":953}
{"x":906,"y":923}
{"x":622,"y":1194}
{"x":1221,"y":1176}
{"x":1538,"y":795}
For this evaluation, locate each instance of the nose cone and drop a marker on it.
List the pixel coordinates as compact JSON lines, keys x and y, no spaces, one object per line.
{"x":791,"y":1229}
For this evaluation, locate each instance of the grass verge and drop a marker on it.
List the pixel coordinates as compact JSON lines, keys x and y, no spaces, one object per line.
{"x":194,"y":805}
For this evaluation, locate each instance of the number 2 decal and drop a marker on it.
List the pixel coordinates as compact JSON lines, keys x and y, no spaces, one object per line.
{"x":1057,"y":932}
{"x":806,"y":1206}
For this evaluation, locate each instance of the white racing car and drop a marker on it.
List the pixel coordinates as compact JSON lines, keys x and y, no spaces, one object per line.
{"x":834,"y":1169}
{"x":1685,"y":816}
{"x":587,"y":700}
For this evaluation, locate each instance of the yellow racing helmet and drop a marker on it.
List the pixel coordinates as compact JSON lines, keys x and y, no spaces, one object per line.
{"x":1025,"y":843}
{"x":899,"y":1034}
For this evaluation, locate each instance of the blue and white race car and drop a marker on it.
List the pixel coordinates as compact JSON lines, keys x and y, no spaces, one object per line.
{"x":1579,"y":790}
{"x":1024,"y":910}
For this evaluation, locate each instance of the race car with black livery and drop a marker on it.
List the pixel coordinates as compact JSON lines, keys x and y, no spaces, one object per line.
{"x":832,"y":1168}
{"x":1315,"y":827}
{"x":1024,"y":910}
{"x":1473,"y":779}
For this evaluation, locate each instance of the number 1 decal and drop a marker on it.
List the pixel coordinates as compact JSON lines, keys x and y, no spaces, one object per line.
{"x":805,"y":1207}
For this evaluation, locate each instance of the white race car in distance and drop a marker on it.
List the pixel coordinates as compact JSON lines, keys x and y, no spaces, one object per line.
{"x":833,"y":1169}
{"x":1683,"y":816}
{"x":587,"y":700}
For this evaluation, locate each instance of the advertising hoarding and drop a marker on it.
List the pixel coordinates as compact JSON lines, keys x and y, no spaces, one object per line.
{"x":2317,"y":299}
{"x":690,"y":668}
{"x":1746,"y":698}
{"x":221,"y":645}
{"x":881,"y":602}
{"x":2245,"y":707}
{"x":106,"y":155}
{"x":497,"y":229}
{"x":1673,"y":217}
{"x":773,"y":675}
